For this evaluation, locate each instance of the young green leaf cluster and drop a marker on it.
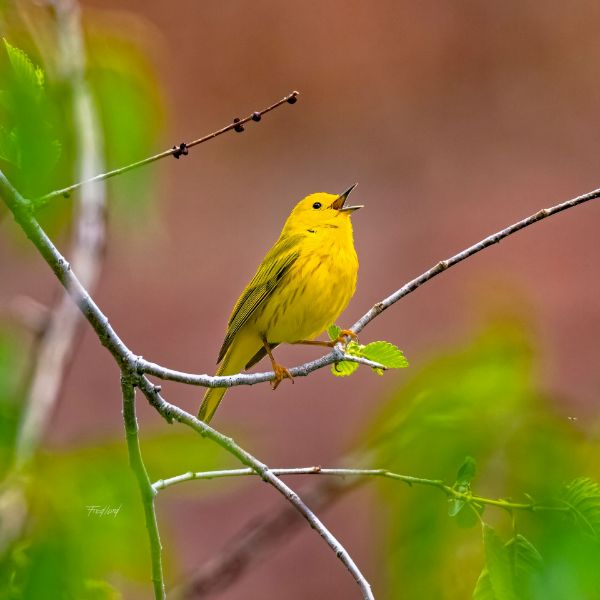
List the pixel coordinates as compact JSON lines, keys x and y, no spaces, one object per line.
{"x":383,"y":353}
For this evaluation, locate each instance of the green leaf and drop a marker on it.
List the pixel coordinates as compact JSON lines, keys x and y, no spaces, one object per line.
{"x":510,"y":570}
{"x":333,"y":331}
{"x":9,"y":146}
{"x":28,"y":75}
{"x":582,"y":496}
{"x":498,"y":568}
{"x":526,"y":561}
{"x":466,"y":473}
{"x":385,"y":354}
{"x":455,"y":505}
{"x":344,"y":368}
{"x":469,"y":517}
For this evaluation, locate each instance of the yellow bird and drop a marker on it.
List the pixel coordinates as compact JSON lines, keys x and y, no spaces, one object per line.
{"x":301,"y":287}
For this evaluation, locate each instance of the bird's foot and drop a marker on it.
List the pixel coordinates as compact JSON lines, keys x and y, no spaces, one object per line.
{"x":341,"y":338}
{"x":281,"y":373}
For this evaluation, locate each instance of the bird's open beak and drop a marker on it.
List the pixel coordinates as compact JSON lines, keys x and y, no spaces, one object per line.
{"x":338,"y":203}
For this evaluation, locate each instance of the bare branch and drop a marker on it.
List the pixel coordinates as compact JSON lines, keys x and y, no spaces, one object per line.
{"x":444,"y":265}
{"x":176,"y":151}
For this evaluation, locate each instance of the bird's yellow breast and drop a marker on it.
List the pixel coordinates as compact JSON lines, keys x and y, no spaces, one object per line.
{"x":316,"y":289}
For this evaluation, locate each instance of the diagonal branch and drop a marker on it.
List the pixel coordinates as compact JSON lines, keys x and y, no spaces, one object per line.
{"x":250,"y":545}
{"x":490,"y":240}
{"x":176,"y":151}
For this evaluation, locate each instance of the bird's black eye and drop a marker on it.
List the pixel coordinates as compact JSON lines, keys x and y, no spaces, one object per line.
{"x":317,"y":205}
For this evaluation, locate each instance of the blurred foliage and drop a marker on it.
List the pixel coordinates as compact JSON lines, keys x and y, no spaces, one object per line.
{"x":38,"y":141}
{"x":70,"y":548}
{"x":131,"y":110}
{"x":35,"y":130}
{"x":482,"y":401}
{"x":12,"y":366}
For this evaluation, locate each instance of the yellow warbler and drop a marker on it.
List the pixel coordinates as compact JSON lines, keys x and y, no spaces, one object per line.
{"x":301,"y":287}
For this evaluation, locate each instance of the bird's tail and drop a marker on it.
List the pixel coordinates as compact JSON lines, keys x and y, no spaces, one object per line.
{"x":233,"y":362}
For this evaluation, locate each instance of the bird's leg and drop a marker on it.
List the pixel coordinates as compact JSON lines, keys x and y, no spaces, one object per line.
{"x":341,"y":338}
{"x":280,"y":371}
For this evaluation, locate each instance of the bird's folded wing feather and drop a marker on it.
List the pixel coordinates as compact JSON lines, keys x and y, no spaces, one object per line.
{"x":268,"y":277}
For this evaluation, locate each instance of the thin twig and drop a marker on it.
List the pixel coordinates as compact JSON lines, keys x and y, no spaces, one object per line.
{"x":444,"y":265}
{"x":237,"y":125}
{"x":146,"y":490}
{"x":448,"y":490}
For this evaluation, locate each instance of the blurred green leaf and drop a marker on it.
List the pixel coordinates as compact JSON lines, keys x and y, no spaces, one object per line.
{"x":470,"y":516}
{"x":28,"y":75}
{"x":35,"y":128}
{"x":12,"y":366}
{"x":333,"y":331}
{"x":131,"y":109}
{"x":510,"y":570}
{"x":497,"y":576}
{"x":583,"y":498}
{"x":9,"y":147}
{"x":88,"y":498}
{"x":526,"y":562}
{"x":466,"y":473}
{"x":478,"y":399}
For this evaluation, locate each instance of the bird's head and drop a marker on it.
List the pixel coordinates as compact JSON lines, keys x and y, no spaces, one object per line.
{"x":321,"y":211}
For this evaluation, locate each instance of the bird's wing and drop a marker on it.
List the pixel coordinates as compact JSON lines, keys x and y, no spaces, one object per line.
{"x":275,"y":265}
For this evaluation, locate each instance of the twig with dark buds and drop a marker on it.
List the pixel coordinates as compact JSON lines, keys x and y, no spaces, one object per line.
{"x":176,"y":151}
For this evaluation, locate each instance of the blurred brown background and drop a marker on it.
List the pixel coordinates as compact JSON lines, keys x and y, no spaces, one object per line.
{"x":456,"y":118}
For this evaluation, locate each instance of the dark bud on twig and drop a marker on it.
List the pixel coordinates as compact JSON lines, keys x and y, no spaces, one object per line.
{"x":181,"y":150}
{"x":239,"y":127}
{"x":66,"y":195}
{"x":256,"y":116}
{"x":292,"y":99}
